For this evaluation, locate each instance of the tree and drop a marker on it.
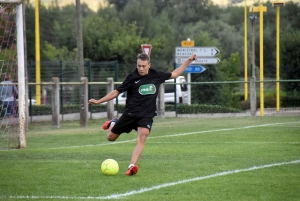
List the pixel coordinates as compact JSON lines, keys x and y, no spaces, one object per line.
{"x":49,"y":52}
{"x":119,"y":4}
{"x":110,"y":40}
{"x":290,"y":60}
{"x":206,"y":94}
{"x":230,"y":72}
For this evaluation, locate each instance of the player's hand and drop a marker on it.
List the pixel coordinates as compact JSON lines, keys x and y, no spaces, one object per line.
{"x":193,"y":57}
{"x":93,"y":102}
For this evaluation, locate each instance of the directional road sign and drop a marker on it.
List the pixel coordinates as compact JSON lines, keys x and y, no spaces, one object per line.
{"x":208,"y":60}
{"x":200,"y":51}
{"x":187,"y":43}
{"x":193,"y":69}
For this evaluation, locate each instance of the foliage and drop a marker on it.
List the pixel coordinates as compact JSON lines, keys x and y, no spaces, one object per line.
{"x":116,"y":32}
{"x":291,"y":60}
{"x":290,"y":101}
{"x":112,"y":40}
{"x":207,"y":95}
{"x":201,"y":108}
{"x":230,"y":72}
{"x":49,"y":52}
{"x":182,"y":109}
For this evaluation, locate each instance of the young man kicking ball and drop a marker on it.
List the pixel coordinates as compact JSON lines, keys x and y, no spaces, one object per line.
{"x":142,"y":87}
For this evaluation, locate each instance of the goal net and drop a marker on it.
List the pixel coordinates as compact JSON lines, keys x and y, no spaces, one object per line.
{"x":12,"y":79}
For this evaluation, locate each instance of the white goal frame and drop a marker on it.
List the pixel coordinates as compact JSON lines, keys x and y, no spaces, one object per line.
{"x":21,"y":69}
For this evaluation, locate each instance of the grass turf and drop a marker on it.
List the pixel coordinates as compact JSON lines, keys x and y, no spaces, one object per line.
{"x":60,"y":164}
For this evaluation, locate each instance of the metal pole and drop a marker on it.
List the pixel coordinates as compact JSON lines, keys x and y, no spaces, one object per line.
{"x":37,"y":54}
{"x":253,"y":18}
{"x":277,"y":58}
{"x":189,"y":80}
{"x":21,"y":77}
{"x":245,"y":53}
{"x":261,"y":66}
{"x":83,"y":121}
{"x":61,"y":90}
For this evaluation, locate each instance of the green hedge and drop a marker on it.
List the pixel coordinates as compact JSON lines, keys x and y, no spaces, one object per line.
{"x":181,"y":109}
{"x":198,"y":108}
{"x":270,"y":102}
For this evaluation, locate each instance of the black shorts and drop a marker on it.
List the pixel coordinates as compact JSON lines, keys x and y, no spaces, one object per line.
{"x":126,"y":124}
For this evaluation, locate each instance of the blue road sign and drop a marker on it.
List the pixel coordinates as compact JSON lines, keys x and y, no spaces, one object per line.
{"x":193,"y":69}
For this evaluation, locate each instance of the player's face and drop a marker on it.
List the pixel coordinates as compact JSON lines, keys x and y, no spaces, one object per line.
{"x":143,"y":67}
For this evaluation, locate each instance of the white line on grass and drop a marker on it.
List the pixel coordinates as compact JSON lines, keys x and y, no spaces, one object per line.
{"x":238,"y":142}
{"x":143,"y":190}
{"x":180,"y":134}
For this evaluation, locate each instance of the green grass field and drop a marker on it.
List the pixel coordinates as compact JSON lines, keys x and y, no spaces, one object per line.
{"x":242,"y":158}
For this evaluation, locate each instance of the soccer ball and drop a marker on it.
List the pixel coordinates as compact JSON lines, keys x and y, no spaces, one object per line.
{"x":110,"y":167}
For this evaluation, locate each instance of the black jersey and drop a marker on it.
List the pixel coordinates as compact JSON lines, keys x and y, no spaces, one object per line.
{"x":142,"y":92}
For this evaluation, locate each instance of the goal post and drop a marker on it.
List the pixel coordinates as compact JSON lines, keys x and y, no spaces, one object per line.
{"x":13,"y":62}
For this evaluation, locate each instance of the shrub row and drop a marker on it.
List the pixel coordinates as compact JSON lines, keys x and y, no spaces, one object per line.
{"x":270,"y":102}
{"x":198,"y":108}
{"x":181,"y":109}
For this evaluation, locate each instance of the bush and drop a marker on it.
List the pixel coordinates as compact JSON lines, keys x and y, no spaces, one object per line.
{"x":270,"y":102}
{"x":244,"y":105}
{"x":290,"y":102}
{"x":199,"y":108}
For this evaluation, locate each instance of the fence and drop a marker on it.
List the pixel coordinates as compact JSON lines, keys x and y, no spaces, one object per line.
{"x":208,"y":99}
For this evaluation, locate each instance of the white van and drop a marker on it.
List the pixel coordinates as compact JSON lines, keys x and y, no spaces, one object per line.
{"x":169,"y":96}
{"x":181,"y":91}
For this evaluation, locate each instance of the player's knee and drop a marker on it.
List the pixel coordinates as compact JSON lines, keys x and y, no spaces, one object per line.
{"x":144,"y":132}
{"x":112,"y":137}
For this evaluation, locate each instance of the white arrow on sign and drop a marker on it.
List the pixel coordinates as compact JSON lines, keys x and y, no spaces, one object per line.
{"x":200,"y":51}
{"x":209,"y":60}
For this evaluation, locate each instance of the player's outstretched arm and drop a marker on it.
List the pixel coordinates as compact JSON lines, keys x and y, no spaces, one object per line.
{"x":111,"y":95}
{"x":178,"y":71}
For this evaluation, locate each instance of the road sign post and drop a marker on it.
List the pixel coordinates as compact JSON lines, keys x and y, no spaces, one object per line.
{"x":193,"y":69}
{"x":261,"y":9}
{"x":199,"y":51}
{"x":187,"y":43}
{"x":146,"y":48}
{"x":206,"y":55}
{"x":206,"y":60}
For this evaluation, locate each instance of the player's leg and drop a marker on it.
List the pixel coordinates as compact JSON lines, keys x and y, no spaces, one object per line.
{"x":140,"y":143}
{"x":110,"y":135}
{"x":143,"y":130}
{"x":139,"y":147}
{"x":119,"y":126}
{"x":108,"y":125}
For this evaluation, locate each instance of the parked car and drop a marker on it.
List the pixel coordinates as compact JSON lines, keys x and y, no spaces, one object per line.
{"x":169,"y":96}
{"x":33,"y":101}
{"x":181,"y":91}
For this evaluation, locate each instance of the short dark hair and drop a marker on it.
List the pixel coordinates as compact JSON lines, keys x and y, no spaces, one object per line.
{"x":143,"y":57}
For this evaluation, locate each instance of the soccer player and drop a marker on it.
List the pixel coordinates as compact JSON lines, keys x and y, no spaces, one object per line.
{"x":142,"y":87}
{"x":8,"y":94}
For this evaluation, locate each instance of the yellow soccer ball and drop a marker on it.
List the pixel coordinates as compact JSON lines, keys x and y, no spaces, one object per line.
{"x":110,"y":167}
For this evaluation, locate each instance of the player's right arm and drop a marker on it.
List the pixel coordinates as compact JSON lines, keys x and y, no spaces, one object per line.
{"x":111,"y":95}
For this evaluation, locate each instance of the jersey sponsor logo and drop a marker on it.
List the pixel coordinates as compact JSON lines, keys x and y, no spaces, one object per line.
{"x":137,"y":81}
{"x":147,"y":89}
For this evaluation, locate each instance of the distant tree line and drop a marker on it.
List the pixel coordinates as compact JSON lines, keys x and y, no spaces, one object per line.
{"x":116,"y":32}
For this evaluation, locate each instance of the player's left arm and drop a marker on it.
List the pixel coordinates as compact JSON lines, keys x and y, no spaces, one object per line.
{"x":111,"y":95}
{"x":178,"y":71}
